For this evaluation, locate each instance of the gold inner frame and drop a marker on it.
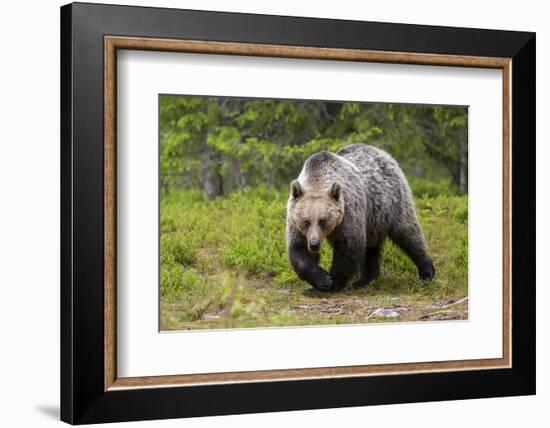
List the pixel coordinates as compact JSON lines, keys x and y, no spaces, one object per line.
{"x":112,"y":43}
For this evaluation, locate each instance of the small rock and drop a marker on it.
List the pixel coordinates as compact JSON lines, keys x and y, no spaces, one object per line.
{"x":210,"y":317}
{"x":384,"y":313}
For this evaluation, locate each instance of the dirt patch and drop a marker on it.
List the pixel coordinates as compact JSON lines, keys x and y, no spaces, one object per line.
{"x":330,"y":308}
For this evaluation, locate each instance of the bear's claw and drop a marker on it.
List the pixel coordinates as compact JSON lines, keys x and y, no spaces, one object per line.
{"x":325,"y":284}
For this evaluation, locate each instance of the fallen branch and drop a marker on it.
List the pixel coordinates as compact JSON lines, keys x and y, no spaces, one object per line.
{"x":444,"y":312}
{"x":458,"y":302}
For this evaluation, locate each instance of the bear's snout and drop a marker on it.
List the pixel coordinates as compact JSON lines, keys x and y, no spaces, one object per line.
{"x":314,"y":245}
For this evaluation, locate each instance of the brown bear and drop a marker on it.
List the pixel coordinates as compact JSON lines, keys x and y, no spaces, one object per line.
{"x":354,"y":198}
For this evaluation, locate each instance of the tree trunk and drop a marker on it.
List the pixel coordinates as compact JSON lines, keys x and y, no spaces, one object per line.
{"x":238,"y":175}
{"x":463,"y":159}
{"x":271,"y":179}
{"x":418,"y":170}
{"x":211,"y":178}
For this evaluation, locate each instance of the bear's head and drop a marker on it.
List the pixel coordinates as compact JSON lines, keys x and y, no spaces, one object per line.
{"x":316,"y":213}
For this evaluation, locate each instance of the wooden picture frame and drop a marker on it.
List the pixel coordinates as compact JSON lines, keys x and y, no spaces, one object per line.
{"x":91,"y":390}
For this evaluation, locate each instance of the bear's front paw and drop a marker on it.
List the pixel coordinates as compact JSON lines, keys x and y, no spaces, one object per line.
{"x":338,"y":285}
{"x":427,"y":272}
{"x":325,"y":283}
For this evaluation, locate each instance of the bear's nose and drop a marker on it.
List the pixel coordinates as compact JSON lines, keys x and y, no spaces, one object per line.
{"x":314,"y":245}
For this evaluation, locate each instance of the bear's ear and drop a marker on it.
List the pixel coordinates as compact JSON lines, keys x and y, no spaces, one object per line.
{"x":296,"y":189}
{"x":335,"y":191}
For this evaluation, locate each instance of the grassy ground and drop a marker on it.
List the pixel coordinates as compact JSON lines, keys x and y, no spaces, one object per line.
{"x":223,"y":265}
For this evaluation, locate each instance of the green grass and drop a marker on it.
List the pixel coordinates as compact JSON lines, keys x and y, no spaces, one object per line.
{"x":224,"y":265}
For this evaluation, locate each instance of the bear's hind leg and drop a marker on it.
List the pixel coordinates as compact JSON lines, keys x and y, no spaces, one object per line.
{"x":306,"y":266}
{"x":370,"y":270}
{"x":411,"y":241}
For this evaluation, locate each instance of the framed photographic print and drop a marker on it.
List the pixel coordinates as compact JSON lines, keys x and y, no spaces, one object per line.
{"x":265,"y":213}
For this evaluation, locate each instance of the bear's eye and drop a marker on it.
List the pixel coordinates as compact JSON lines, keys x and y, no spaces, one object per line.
{"x":307,"y":224}
{"x":322,"y":222}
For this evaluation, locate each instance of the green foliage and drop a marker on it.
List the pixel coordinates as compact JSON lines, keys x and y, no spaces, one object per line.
{"x":224,"y":264}
{"x":226,"y":144}
{"x":426,"y":188}
{"x":179,"y":282}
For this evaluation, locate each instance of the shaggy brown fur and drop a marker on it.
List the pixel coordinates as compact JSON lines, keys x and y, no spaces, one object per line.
{"x":354,"y":198}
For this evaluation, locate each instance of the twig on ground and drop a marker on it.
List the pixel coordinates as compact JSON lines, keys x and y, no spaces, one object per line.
{"x":444,"y":312}
{"x":458,"y":302}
